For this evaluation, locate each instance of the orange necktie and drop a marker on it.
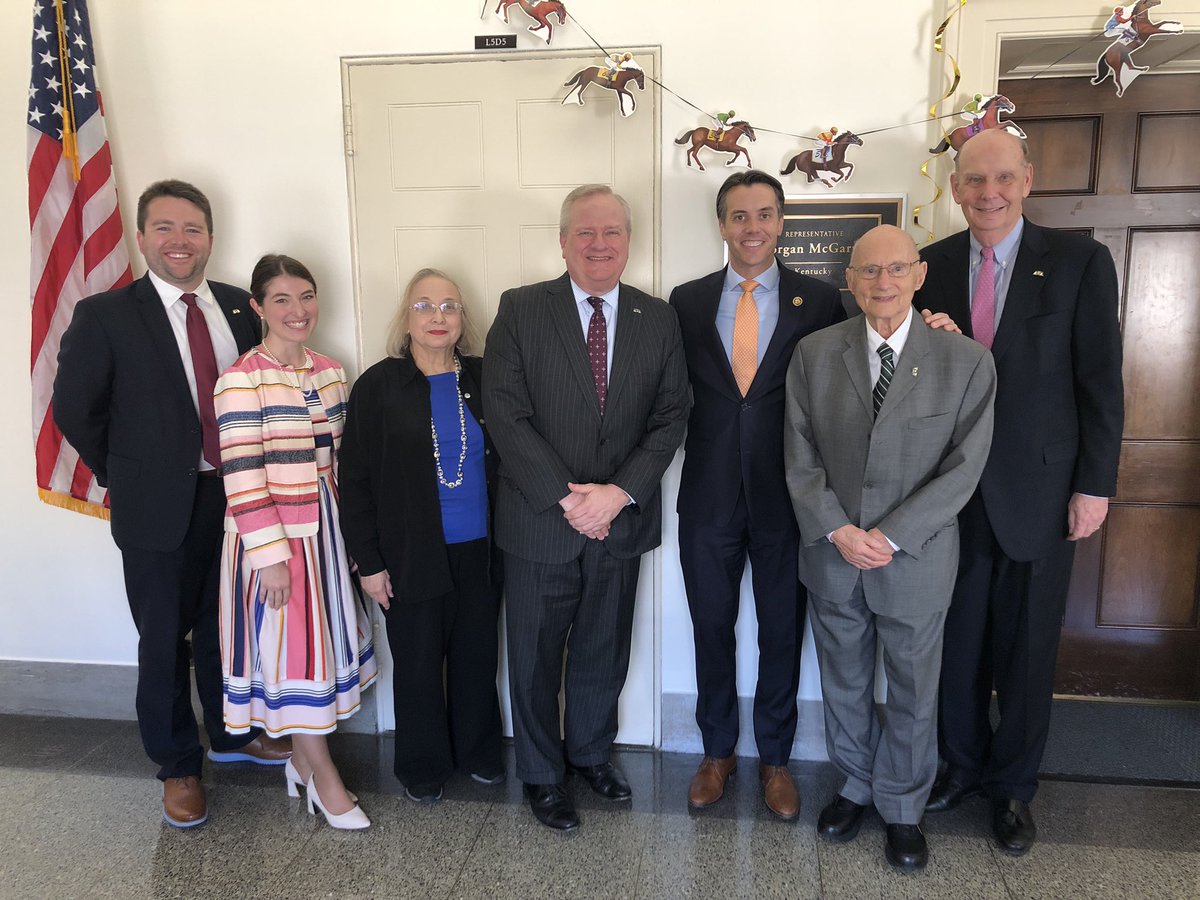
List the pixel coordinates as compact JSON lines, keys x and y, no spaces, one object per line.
{"x":745,"y":338}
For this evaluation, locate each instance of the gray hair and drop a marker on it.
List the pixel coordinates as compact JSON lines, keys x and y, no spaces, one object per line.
{"x":589,"y":190}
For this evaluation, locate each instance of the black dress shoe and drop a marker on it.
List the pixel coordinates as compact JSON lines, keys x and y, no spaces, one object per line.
{"x":606,"y":780}
{"x":906,"y":848}
{"x":1012,"y":823}
{"x":950,"y":790}
{"x":551,"y":806}
{"x":840,"y":820}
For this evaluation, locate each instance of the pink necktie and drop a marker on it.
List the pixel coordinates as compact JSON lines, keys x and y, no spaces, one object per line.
{"x":983,"y":304}
{"x":204,"y":365}
{"x":598,"y":349}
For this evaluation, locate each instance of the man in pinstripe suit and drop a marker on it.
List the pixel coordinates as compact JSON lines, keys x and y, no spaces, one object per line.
{"x":585,"y":390}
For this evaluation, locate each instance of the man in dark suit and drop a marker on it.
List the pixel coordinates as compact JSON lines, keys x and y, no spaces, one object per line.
{"x":888,"y":425}
{"x":733,"y":497}
{"x":1045,"y":302}
{"x":134,"y":396}
{"x":585,"y":391}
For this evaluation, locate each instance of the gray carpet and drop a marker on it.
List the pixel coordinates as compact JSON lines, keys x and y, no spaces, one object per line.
{"x":1124,"y":742}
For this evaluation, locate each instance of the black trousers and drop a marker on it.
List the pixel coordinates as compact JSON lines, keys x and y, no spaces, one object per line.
{"x":585,"y":608}
{"x":1002,"y":629}
{"x":713,"y":558}
{"x":449,"y":720}
{"x":171,"y":595}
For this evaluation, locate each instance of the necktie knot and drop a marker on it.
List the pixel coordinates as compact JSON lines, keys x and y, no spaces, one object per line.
{"x":189,"y":299}
{"x":597,"y":303}
{"x":987,"y":253}
{"x":885,"y":353}
{"x":748,"y":286}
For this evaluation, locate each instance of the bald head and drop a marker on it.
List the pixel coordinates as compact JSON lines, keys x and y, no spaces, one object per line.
{"x":992,"y":177}
{"x":885,"y":272}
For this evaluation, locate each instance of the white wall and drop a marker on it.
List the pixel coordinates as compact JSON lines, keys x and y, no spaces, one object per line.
{"x":244,"y":99}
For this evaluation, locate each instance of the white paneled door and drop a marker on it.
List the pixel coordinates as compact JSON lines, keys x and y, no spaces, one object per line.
{"x":461,"y":163}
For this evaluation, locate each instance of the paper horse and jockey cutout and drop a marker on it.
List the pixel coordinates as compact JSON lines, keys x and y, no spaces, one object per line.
{"x":616,"y":74}
{"x":1132,"y":28}
{"x":723,"y":141}
{"x":991,"y":108}
{"x":830,"y":171}
{"x":538,"y":10}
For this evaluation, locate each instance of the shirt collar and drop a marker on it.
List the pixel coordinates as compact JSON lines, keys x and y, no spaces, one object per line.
{"x":581,"y":296}
{"x":1005,"y":251}
{"x":896,"y":341}
{"x":767,"y":281}
{"x":169,"y":294}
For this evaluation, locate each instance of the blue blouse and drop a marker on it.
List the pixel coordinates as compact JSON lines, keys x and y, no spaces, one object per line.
{"x":464,"y":508}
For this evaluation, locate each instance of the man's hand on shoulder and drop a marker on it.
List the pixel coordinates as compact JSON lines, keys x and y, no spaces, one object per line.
{"x":862,"y":549}
{"x":940,"y":320}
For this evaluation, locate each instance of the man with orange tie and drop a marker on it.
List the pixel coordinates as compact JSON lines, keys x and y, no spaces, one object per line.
{"x":740,"y":325}
{"x":133,"y":395}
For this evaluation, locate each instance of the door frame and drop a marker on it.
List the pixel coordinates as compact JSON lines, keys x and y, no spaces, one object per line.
{"x":651,"y":562}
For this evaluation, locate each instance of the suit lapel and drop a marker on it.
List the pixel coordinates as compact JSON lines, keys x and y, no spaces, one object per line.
{"x":789,"y":323}
{"x":855,"y":358}
{"x":628,"y":339}
{"x":954,"y":273}
{"x":1024,"y":288}
{"x":565,"y":314}
{"x":708,"y":301}
{"x":162,"y":336}
{"x":907,"y":366}
{"x":242,"y":326}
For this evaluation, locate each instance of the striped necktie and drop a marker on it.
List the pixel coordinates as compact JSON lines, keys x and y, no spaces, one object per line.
{"x":887,"y":367}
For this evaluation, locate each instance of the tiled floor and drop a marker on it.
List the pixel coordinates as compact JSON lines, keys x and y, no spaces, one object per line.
{"x":80,"y":817}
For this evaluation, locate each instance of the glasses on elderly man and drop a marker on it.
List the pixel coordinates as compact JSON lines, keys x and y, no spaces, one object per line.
{"x":425,"y":308}
{"x":871,"y":272}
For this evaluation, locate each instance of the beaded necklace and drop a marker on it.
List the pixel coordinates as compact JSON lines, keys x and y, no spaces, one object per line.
{"x":462,"y":431}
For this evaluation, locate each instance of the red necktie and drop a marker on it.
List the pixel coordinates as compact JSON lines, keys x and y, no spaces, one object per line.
{"x":204,"y":365}
{"x":983,"y":304}
{"x":598,"y":349}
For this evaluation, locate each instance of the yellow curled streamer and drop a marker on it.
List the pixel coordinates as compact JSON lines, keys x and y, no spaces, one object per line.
{"x":939,"y":45}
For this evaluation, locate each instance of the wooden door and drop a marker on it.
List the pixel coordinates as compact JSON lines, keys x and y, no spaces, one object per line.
{"x":1127,"y":172}
{"x":462,"y":163}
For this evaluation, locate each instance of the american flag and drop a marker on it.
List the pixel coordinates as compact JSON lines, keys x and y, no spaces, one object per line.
{"x":77,"y":241}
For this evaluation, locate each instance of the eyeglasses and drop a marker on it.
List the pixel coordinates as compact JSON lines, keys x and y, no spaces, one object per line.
{"x":896,"y":270}
{"x":425,"y":308}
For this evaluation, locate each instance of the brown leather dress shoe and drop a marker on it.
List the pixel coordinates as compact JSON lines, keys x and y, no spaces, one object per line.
{"x":779,"y":791}
{"x":263,"y":751}
{"x":184,"y":805}
{"x":708,"y":784}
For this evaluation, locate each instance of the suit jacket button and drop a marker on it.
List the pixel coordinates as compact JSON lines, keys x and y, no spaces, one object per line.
{"x":867,"y":485}
{"x":466,"y":396}
{"x":191,"y":471}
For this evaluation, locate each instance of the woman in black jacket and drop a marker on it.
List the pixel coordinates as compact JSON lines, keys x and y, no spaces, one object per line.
{"x":416,"y":471}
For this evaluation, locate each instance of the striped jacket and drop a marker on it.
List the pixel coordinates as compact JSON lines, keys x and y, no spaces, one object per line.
{"x":268,"y":449}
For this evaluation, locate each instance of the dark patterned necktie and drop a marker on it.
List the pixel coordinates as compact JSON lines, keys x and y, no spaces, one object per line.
{"x":887,"y":368}
{"x":204,"y":365}
{"x":597,"y":343}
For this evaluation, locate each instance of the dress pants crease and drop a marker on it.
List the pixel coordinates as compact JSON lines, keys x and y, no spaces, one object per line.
{"x":584,"y":606}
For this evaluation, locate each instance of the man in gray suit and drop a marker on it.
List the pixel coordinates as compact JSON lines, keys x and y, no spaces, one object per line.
{"x":586,"y":397}
{"x":888,"y":428}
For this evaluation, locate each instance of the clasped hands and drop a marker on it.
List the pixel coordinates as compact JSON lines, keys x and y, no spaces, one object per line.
{"x":862,"y":549}
{"x":590,"y":508}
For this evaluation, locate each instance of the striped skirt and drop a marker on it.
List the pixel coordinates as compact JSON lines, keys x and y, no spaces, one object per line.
{"x":300,"y":668}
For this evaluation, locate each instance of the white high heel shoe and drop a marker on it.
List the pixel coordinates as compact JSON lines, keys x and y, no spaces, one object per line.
{"x":352,"y":820}
{"x":295,"y":782}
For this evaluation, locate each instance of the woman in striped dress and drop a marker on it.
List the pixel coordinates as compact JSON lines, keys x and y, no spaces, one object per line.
{"x":295,"y":633}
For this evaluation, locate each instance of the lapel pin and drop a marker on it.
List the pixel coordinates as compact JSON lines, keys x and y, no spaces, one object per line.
{"x":638,"y":310}
{"x":1039,"y":273}
{"x":797,"y":301}
{"x":237,"y":312}
{"x":915,"y":371}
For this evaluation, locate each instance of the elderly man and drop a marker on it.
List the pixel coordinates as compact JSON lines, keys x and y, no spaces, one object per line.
{"x":586,"y":397}
{"x":1045,"y":303}
{"x":888,"y":424}
{"x":134,"y":396}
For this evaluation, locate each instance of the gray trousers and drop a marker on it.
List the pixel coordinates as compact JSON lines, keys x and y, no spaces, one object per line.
{"x":892,"y":764}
